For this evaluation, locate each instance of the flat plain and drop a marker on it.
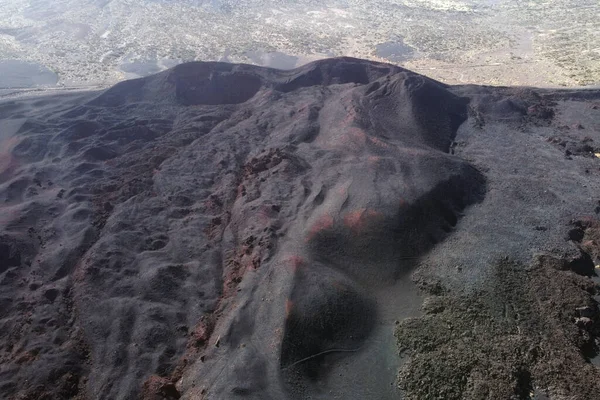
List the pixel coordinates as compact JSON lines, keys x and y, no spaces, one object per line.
{"x":547,"y":43}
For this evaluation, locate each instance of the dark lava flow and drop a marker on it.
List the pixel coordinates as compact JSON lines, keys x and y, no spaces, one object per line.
{"x":218,"y":231}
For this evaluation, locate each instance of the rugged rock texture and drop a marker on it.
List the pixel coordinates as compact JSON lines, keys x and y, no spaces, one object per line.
{"x":220,"y":231}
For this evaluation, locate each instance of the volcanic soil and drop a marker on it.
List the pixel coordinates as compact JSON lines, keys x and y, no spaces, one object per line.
{"x":343,"y":230}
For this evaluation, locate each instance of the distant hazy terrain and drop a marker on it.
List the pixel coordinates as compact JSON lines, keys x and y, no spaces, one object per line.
{"x":548,"y":43}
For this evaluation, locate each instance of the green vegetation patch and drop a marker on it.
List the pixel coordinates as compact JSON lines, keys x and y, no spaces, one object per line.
{"x":522,"y":336}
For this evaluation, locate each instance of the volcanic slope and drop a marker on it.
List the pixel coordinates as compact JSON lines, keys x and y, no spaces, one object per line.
{"x":220,"y":231}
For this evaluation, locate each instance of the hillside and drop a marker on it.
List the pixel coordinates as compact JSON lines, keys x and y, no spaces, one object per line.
{"x":344,"y":230}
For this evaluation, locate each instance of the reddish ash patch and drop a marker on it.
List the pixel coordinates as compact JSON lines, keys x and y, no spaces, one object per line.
{"x":265,"y":214}
{"x":158,"y":388}
{"x":241,"y":190}
{"x":379,"y":143}
{"x":215,"y":229}
{"x":236,"y":268}
{"x":352,"y":220}
{"x":294,"y":261}
{"x":81,"y":270}
{"x":27,"y":357}
{"x":353,"y":138}
{"x":303,"y":112}
{"x":201,"y":333}
{"x":8,"y":163}
{"x":374,"y":160}
{"x":351,"y":112}
{"x":322,"y":223}
{"x":358,"y":219}
{"x":213,"y":204}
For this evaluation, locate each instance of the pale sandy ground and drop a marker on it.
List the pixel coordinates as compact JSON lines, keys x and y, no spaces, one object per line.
{"x":550,"y":43}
